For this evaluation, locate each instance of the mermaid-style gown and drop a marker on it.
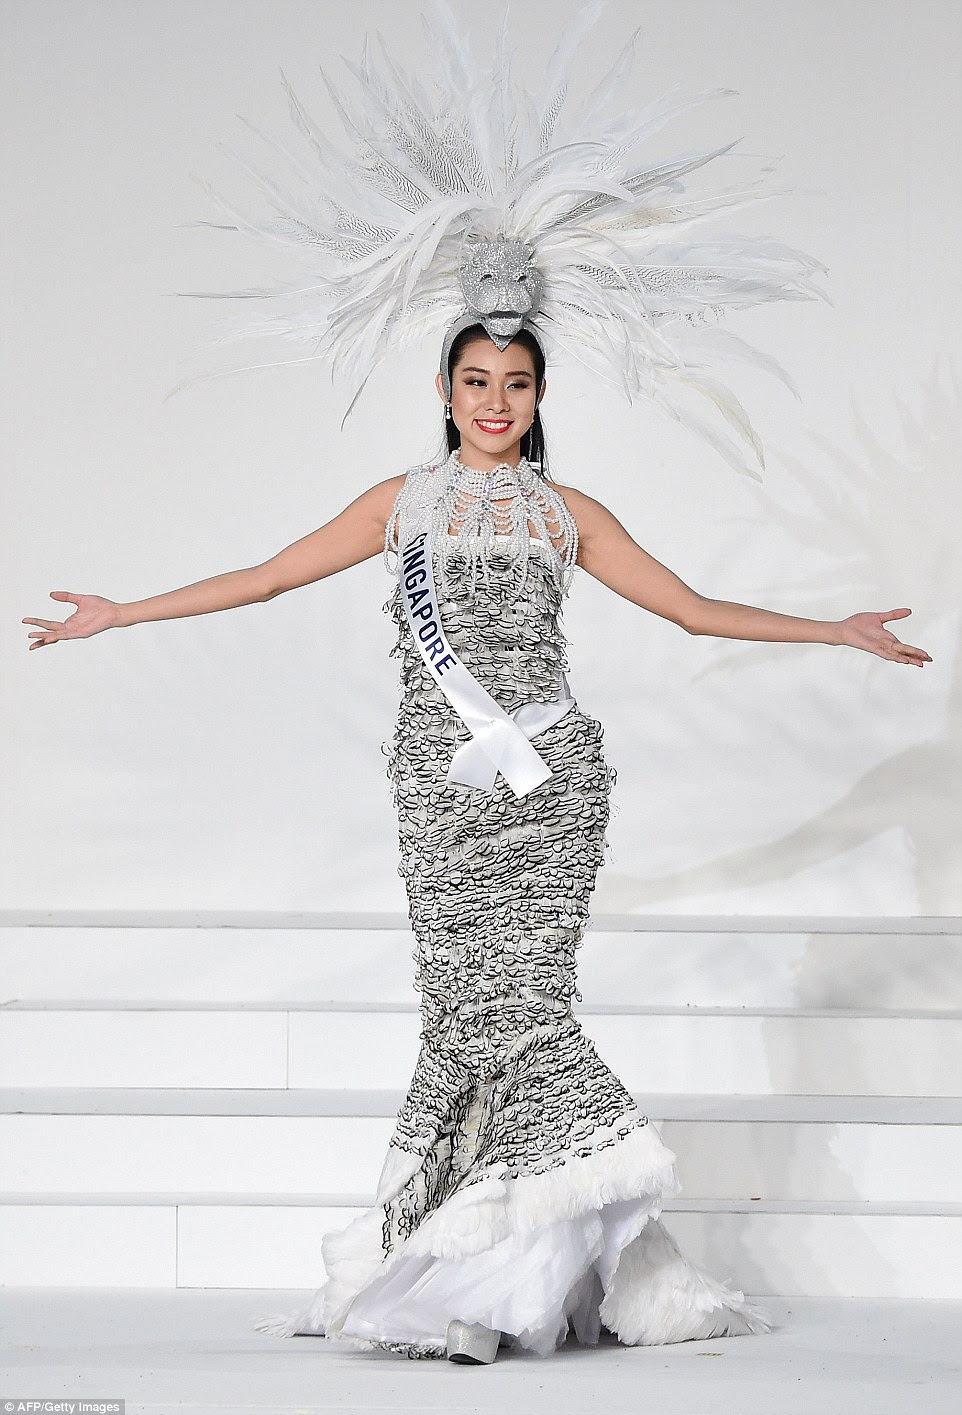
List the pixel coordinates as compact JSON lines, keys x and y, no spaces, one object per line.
{"x":522,"y":1185}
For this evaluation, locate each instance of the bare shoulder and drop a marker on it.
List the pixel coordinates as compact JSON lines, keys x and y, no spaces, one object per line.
{"x":382,"y":495}
{"x":587,"y":512}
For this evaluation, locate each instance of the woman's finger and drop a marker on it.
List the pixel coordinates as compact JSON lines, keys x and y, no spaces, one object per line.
{"x":895,"y":614}
{"x":43,"y":623}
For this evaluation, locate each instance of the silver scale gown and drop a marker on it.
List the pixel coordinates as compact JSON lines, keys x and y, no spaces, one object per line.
{"x":522,"y":1185}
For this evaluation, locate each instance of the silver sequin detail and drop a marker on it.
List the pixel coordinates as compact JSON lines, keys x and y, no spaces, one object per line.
{"x":501,"y":285}
{"x":506,"y":1082}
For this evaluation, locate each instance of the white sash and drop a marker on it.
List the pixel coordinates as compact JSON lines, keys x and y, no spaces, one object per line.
{"x":499,"y":741}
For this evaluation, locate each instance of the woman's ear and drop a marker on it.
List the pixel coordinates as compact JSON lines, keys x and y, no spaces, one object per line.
{"x":440,"y":385}
{"x":544,"y":384}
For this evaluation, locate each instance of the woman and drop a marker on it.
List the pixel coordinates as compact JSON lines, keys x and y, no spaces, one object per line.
{"x":522,"y":1187}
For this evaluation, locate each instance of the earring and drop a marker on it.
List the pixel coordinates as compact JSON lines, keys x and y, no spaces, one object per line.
{"x":447,"y":412}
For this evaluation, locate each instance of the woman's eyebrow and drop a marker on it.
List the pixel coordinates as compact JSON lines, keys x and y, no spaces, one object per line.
{"x":512,"y":373}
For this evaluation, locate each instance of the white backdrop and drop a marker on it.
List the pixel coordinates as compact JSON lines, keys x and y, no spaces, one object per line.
{"x":232,"y":761}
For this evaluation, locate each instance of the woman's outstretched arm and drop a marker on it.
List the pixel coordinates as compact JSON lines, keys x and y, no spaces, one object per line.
{"x":609,"y":553}
{"x":355,"y":534}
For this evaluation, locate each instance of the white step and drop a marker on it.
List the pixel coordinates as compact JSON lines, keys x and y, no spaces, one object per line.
{"x":118,"y":1100}
{"x":193,"y":1100}
{"x":650,"y":1050}
{"x":668,"y":961}
{"x":860,"y":1251}
{"x":114,"y":1147}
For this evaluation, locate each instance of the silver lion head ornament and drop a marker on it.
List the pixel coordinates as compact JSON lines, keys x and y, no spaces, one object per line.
{"x":501,"y":286}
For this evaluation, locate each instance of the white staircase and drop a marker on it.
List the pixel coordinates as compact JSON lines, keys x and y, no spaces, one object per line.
{"x":193,"y":1100}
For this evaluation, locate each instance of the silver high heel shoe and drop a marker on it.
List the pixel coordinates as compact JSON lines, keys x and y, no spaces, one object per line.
{"x":472,"y":1343}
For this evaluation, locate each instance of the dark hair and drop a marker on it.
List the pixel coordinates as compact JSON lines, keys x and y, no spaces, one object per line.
{"x":532,"y":444}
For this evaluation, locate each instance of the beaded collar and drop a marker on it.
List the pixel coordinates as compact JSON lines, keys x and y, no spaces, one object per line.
{"x":524,"y":475}
{"x":458,"y":506}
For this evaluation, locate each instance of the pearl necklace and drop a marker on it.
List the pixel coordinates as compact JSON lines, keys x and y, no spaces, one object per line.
{"x":434,"y":497}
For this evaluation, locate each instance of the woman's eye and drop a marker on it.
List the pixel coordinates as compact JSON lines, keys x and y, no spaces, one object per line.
{"x":521,"y":386}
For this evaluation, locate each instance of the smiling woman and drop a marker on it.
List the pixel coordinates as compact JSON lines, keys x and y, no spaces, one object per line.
{"x":522,"y":1189}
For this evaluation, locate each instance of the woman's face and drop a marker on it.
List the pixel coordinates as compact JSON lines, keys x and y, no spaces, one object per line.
{"x":493,"y":401}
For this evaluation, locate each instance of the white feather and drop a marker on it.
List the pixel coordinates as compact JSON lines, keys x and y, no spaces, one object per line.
{"x":379,"y":222}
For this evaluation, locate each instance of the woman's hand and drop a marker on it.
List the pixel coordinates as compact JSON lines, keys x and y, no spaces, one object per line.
{"x":91,"y":615}
{"x":867,"y":631}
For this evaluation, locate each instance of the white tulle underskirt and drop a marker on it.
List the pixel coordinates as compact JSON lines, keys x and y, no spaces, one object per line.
{"x":530,"y":1284}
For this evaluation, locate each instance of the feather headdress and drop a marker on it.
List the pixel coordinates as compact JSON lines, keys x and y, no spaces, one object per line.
{"x":630,"y":277}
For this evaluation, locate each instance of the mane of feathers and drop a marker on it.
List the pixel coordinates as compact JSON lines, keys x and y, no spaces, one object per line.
{"x":634,"y":281}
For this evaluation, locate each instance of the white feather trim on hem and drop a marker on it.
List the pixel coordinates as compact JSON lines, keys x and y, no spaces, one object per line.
{"x":657,"y":1295}
{"x":652,"y":1293}
{"x":478,"y":1216}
